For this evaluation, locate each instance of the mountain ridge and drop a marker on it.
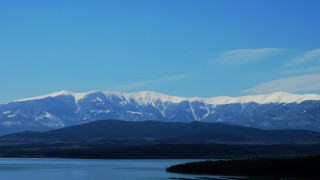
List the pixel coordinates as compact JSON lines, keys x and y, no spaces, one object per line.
{"x":62,"y":109}
{"x":280,"y":97}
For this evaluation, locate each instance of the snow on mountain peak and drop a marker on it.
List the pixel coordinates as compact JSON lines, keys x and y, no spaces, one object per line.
{"x":275,"y":97}
{"x":77,"y":96}
{"x":145,"y":97}
{"x":149,"y":97}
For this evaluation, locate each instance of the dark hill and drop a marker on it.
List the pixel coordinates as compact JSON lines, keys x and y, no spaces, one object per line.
{"x":174,"y":132}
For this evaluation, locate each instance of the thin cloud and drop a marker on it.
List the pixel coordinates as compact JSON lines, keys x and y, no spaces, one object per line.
{"x":164,"y":79}
{"x":291,"y":84}
{"x":309,"y":62}
{"x":244,"y":56}
{"x":312,"y":56}
{"x":313,"y":69}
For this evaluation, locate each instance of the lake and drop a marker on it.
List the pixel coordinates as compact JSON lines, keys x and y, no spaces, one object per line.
{"x":91,"y":169}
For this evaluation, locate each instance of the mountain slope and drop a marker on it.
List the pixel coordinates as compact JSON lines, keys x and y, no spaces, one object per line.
{"x":63,"y":109}
{"x":174,"y":132}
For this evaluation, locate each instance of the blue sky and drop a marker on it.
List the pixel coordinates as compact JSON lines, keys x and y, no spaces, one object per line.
{"x":177,"y":47}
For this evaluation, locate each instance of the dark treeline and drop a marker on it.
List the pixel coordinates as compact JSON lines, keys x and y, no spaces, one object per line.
{"x":151,"y":150}
{"x":302,"y":167}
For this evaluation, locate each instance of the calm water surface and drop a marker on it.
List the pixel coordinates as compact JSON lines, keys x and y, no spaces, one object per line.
{"x":89,"y":169}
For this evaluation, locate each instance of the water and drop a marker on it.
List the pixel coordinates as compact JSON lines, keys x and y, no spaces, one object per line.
{"x":91,"y":169}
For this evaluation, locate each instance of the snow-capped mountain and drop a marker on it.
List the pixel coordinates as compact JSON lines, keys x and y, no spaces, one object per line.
{"x":61,"y":109}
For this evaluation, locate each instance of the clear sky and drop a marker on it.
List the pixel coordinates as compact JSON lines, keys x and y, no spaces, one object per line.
{"x":201,"y":48}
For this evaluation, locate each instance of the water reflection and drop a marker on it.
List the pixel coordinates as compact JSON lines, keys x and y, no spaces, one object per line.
{"x":100,"y":169}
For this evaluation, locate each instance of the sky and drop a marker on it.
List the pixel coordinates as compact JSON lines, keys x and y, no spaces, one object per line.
{"x":187,"y":48}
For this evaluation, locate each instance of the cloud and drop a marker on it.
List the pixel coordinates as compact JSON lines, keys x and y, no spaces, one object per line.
{"x":308,"y":57}
{"x":291,"y":84}
{"x":164,"y":79}
{"x":309,"y":62}
{"x":244,"y":56}
{"x":301,"y":70}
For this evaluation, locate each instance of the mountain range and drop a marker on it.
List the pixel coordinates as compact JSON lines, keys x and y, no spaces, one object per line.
{"x":277,"y":110}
